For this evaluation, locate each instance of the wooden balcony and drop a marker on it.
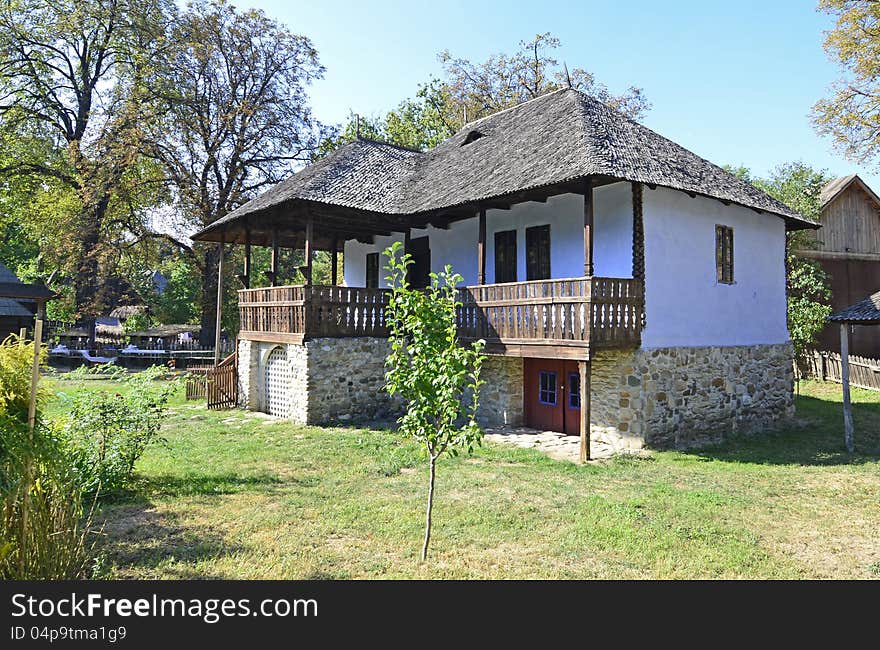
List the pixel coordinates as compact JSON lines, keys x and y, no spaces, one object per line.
{"x":563,"y":318}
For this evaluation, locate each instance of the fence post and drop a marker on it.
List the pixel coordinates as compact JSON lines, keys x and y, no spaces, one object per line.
{"x":822,"y":364}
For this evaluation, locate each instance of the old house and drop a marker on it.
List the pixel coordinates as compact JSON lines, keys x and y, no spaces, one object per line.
{"x":848,"y":249}
{"x":628,"y":290}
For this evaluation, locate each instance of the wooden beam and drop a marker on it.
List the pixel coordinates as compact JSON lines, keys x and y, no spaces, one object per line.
{"x":310,"y":235}
{"x":221,"y":246}
{"x":588,"y":227}
{"x":334,"y":262}
{"x":844,"y":378}
{"x":481,"y":249}
{"x":585,"y":369}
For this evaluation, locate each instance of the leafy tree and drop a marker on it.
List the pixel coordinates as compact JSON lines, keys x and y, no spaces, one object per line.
{"x":437,"y":377}
{"x":236,"y":119}
{"x":71,"y":82}
{"x":469,"y":91}
{"x":798,"y":186}
{"x":851,"y":114}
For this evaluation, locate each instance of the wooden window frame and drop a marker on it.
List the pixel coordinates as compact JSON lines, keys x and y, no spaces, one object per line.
{"x":542,"y":391}
{"x":724,"y":266}
{"x":371,"y":282}
{"x":538,"y":268}
{"x":510,"y":259}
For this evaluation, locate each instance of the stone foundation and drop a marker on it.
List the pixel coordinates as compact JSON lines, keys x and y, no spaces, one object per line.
{"x":337,"y":380}
{"x":689,"y":397}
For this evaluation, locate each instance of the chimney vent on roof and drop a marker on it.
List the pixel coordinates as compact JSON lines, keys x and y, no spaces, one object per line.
{"x":473,"y":135}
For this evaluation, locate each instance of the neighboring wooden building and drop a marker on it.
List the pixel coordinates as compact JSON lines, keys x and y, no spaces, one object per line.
{"x":14,"y":314}
{"x":849,"y":251}
{"x":627,"y":289}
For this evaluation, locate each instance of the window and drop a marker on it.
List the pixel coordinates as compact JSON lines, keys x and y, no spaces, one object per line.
{"x":372,"y":271}
{"x":547,"y":388}
{"x":538,"y":253}
{"x":505,"y":256}
{"x":574,"y":390}
{"x":724,"y":254}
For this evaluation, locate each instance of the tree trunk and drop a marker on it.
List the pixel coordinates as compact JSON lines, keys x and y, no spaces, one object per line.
{"x":430,"y":508}
{"x":209,"y":296}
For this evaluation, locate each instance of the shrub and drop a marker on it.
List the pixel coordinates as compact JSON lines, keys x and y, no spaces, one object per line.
{"x":43,"y":534}
{"x":106,"y":432}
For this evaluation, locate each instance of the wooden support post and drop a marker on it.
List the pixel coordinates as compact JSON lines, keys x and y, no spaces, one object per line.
{"x":273,"y":267}
{"x":310,"y":235}
{"x":481,"y":249}
{"x":588,"y":227}
{"x":334,"y":262}
{"x":219,"y":302}
{"x":406,"y":248}
{"x":585,"y":372}
{"x":844,"y":378}
{"x":246,"y":276}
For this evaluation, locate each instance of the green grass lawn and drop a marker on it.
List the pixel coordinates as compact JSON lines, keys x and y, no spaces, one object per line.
{"x":234,"y":495}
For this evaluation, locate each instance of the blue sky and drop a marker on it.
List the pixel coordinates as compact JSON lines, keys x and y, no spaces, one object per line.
{"x":732,"y":81}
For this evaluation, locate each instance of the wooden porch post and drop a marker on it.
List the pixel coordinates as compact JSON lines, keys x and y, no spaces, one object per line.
{"x":246,"y":276}
{"x":334,"y":262}
{"x":585,"y":371}
{"x":310,"y":234}
{"x":219,"y":301}
{"x":844,"y":378}
{"x":481,"y":249}
{"x":588,"y":227}
{"x":406,"y":248}
{"x":273,"y":269}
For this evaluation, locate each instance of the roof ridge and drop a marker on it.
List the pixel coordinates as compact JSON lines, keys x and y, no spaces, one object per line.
{"x":386,"y":143}
{"x":514,"y":107}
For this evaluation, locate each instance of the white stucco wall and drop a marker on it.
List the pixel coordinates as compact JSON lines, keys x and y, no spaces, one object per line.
{"x":612,"y":238}
{"x":686,"y":306}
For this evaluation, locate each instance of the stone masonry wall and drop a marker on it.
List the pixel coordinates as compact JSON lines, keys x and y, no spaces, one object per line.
{"x":335,"y":380}
{"x":689,"y":397}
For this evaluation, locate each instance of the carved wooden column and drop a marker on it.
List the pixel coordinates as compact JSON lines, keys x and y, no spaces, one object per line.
{"x":588,"y":227}
{"x":273,"y":267}
{"x":309,"y":246}
{"x":246,"y":276}
{"x":334,"y":262}
{"x":217,"y":327}
{"x":481,"y":249}
{"x":638,"y":243}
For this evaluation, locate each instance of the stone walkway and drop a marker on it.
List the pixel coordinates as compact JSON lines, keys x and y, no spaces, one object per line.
{"x":556,"y":445}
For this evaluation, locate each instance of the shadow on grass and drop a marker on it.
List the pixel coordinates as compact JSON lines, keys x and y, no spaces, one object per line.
{"x":138,"y":540}
{"x":817,"y":439}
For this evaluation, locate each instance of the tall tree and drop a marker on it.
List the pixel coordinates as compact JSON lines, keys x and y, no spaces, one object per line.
{"x":851,"y":114}
{"x":236,"y":119}
{"x":469,"y":91}
{"x":72,"y":74}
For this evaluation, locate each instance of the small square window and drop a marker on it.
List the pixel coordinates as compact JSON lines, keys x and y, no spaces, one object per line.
{"x":574,"y":390}
{"x":547,"y":388}
{"x":724,"y":254}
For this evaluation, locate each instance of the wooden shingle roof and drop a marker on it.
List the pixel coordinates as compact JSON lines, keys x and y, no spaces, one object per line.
{"x":559,"y":137}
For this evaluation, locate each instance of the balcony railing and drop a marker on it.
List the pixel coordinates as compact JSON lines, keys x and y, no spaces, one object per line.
{"x":596,"y":312}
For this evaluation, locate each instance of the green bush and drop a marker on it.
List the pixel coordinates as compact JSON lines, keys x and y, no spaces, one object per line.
{"x":106,"y":432}
{"x":43,"y":531}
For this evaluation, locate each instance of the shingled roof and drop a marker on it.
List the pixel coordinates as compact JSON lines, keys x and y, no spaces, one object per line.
{"x":559,"y":137}
{"x":8,"y":306}
{"x":865,"y":312}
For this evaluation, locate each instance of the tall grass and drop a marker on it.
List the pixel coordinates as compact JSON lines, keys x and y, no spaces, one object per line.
{"x":44,"y":531}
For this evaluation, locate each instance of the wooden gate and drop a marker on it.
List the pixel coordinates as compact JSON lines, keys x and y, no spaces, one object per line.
{"x":222,"y":384}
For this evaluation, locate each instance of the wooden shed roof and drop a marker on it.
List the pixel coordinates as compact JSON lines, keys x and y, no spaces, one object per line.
{"x":865,"y":312}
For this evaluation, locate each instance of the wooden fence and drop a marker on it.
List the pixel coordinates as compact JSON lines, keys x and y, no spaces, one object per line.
{"x":219,"y":385}
{"x":863,"y":372}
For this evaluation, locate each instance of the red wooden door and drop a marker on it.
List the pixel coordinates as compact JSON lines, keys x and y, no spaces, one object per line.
{"x":552,"y":395}
{"x":544,"y":394}
{"x":571,"y":407}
